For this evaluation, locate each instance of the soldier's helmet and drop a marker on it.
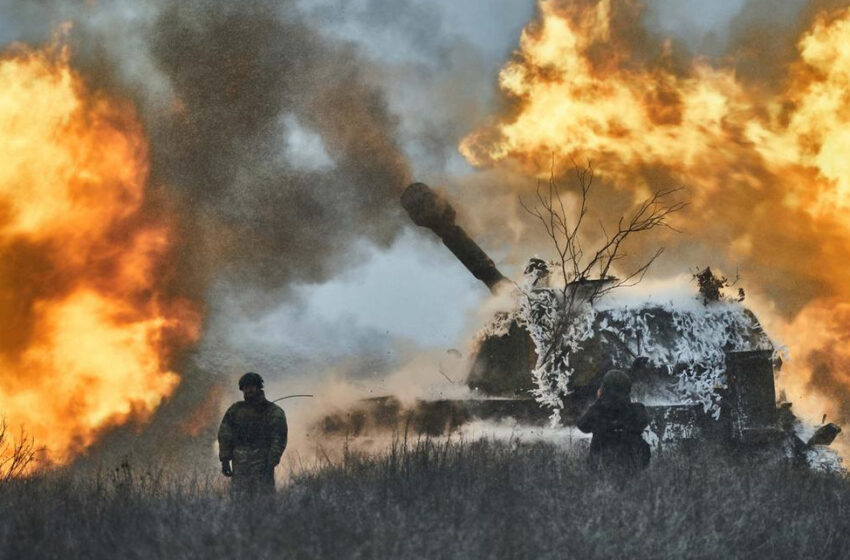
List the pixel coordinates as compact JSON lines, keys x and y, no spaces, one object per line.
{"x":617,"y":382}
{"x":250,"y":378}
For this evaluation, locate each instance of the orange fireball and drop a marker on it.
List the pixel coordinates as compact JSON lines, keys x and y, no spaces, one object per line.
{"x":86,"y":334}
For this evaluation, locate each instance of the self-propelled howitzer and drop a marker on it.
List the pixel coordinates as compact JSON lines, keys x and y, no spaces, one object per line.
{"x":705,"y":369}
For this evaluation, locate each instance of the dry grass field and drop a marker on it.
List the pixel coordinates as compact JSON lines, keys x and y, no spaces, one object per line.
{"x":429,"y":499}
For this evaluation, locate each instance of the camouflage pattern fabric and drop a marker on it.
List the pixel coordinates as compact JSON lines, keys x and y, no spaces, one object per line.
{"x":252,"y":436}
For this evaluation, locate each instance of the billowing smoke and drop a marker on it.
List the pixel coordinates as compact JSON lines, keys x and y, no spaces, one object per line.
{"x":246,"y":83}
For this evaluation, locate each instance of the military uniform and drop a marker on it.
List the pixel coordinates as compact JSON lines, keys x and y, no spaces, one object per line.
{"x":616,"y":424}
{"x":252,"y":436}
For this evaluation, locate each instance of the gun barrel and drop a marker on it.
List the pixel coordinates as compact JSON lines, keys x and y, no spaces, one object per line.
{"x":428,"y":209}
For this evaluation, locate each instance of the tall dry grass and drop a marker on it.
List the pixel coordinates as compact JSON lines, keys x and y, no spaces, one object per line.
{"x":430,"y":499}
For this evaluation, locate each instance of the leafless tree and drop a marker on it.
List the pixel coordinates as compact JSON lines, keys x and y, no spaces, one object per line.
{"x":17,"y":456}
{"x":587,"y":272}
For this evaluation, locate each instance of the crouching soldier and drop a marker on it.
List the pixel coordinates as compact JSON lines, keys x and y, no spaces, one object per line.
{"x":616,"y":424}
{"x":251,"y":439}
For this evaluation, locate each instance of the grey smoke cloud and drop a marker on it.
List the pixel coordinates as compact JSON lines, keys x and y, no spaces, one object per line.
{"x":235,"y":72}
{"x":437,"y":62}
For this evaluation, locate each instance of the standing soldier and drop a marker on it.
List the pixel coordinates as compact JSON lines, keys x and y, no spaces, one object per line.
{"x":616,"y":424}
{"x":252,"y":436}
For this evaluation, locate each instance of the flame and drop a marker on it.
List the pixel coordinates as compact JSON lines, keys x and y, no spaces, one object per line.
{"x":569,"y":103}
{"x":765,"y":164}
{"x":87,"y":332}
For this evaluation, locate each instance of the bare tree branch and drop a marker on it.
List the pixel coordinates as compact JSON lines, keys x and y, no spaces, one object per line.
{"x":16,"y":456}
{"x":587,"y":277}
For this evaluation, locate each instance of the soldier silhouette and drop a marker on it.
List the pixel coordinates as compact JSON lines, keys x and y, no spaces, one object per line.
{"x":251,"y":439}
{"x":616,"y":424}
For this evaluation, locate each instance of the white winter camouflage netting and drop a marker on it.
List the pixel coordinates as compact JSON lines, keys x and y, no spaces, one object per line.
{"x":696,"y":352}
